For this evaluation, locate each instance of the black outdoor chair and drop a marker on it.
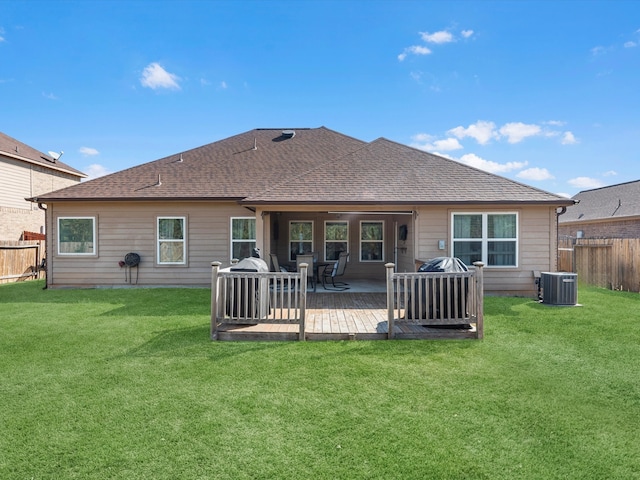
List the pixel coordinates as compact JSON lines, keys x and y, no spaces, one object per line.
{"x":335,"y":270}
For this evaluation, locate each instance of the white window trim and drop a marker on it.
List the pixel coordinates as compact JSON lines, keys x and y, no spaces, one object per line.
{"x":184,"y":240}
{"x":290,"y":241}
{"x":485,"y":240}
{"x":239,"y":240}
{"x":94,"y":253}
{"x":360,"y":241}
{"x":324,"y":247}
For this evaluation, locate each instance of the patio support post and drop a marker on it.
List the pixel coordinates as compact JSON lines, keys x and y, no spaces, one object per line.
{"x":479,"y":298}
{"x":303,"y":299}
{"x":215,"y":266}
{"x":390,"y":310}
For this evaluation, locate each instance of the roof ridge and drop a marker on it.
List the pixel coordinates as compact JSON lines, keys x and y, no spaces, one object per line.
{"x":473,"y":168}
{"x":316,"y":167}
{"x":608,"y":186}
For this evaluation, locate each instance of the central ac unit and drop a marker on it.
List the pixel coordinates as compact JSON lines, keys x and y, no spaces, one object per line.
{"x":559,"y":288}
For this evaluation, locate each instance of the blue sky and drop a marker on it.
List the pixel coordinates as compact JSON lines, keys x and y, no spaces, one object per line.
{"x":543,"y":92}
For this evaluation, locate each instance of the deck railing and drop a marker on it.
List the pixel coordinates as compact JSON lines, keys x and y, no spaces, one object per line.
{"x":434,"y":298}
{"x":251,"y":298}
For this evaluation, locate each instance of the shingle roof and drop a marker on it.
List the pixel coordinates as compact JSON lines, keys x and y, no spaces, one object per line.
{"x":315,"y":166}
{"x":227,"y":169}
{"x":613,"y":202}
{"x":17,"y":150}
{"x":388,"y":172}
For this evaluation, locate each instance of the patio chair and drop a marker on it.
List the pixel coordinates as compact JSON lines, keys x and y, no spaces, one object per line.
{"x":276,"y":265}
{"x":311,"y":276}
{"x":278,"y":268}
{"x":336,"y":270}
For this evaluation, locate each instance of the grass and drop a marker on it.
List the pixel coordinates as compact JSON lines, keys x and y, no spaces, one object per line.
{"x":125,"y":384}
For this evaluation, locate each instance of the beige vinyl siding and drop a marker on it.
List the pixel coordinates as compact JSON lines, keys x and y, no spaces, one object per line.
{"x":20,"y":180}
{"x":536,"y":244}
{"x":15,"y":184}
{"x":131,"y":227}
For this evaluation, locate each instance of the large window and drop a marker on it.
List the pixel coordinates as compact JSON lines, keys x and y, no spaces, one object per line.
{"x":172,"y":245}
{"x":300,"y":238}
{"x":243,"y":237}
{"x":372,"y":241}
{"x":491,"y":238}
{"x":76,"y":235}
{"x":336,"y":239}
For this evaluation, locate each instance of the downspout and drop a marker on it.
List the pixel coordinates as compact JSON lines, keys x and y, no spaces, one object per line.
{"x":46,"y":265}
{"x":562,"y":211}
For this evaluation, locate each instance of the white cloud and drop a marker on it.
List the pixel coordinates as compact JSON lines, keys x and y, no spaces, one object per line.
{"x":154,"y":76}
{"x":96,"y":170}
{"x":585,"y":182}
{"x":415,"y":50}
{"x":563,"y":194}
{"x":223,"y":85}
{"x":438,"y":37}
{"x":535,"y":174}
{"x":466,"y":33}
{"x":423,"y":137}
{"x":610,"y":173}
{"x":481,"y":131}
{"x":630,"y":44}
{"x":426,"y":142}
{"x":595,"y":51}
{"x":474,"y":160}
{"x":49,"y":96}
{"x":555,"y":123}
{"x":517,"y":131}
{"x":447,"y":144}
{"x":88,"y":151}
{"x":568,"y":139}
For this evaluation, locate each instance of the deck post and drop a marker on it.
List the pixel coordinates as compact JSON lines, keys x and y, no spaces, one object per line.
{"x":390,"y":310}
{"x":479,"y":298}
{"x":215,"y":266}
{"x":303,"y":299}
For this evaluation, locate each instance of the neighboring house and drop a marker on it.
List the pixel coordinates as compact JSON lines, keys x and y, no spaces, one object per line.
{"x":24,"y":173}
{"x":298,"y":191}
{"x":608,"y":212}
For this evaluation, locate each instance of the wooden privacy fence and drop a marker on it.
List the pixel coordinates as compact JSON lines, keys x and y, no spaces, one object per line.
{"x":434,"y":298}
{"x":605,"y":262}
{"x":20,"y":260}
{"x":252,"y":298}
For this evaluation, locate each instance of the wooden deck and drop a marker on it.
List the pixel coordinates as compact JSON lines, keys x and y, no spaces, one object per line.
{"x":342,"y":316}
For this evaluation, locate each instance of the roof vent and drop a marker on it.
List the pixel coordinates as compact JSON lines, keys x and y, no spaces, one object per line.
{"x":288,"y":133}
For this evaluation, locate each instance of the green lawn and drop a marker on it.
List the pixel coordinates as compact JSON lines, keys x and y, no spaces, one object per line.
{"x":125,"y":384}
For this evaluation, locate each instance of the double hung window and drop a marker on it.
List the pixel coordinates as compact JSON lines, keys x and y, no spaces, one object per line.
{"x":300,"y":238}
{"x":243,"y":237}
{"x":336,"y":239}
{"x":372,"y":241}
{"x":172,"y":244}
